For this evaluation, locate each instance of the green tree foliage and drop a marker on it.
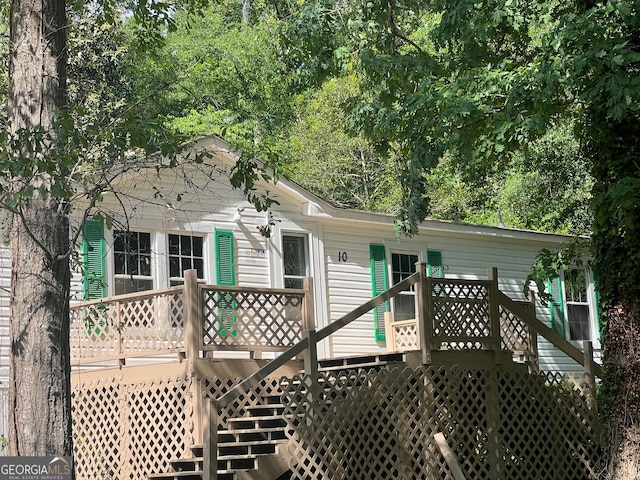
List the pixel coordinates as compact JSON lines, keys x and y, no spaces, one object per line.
{"x":219,"y":74}
{"x":483,"y":79}
{"x":269,"y":96}
{"x":330,"y":161}
{"x":545,"y":186}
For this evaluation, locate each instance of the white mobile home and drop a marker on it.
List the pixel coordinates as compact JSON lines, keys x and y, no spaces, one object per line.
{"x":204,"y":224}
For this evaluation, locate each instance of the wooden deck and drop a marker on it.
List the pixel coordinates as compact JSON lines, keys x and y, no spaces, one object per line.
{"x":188,"y":397}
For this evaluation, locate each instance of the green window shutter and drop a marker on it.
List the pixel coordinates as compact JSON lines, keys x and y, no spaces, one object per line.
{"x":597,"y":300}
{"x":93,"y":251}
{"x":379,"y":284}
{"x":225,"y":267}
{"x":556,"y":306}
{"x":434,"y":264}
{"x":226,"y":276}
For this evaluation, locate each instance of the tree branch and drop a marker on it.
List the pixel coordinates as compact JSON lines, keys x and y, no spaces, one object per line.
{"x":394,"y":28}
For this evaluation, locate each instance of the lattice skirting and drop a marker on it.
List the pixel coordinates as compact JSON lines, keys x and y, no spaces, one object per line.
{"x":381,"y":424}
{"x":128,"y":431}
{"x":357,"y":425}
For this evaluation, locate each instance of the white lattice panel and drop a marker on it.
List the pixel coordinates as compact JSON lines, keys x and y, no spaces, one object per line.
{"x":130,"y":431}
{"x":97,"y":423}
{"x":380,"y":424}
{"x":241,"y":319}
{"x":405,"y":336}
{"x":461,"y":314}
{"x":147,"y":323}
{"x":514,"y":333}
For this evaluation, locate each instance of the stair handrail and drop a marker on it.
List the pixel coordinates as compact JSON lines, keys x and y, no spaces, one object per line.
{"x":549,"y":334}
{"x":449,"y":456}
{"x":527,"y":317}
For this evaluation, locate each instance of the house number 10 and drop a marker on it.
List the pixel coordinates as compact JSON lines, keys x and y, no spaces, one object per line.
{"x":342,"y":256}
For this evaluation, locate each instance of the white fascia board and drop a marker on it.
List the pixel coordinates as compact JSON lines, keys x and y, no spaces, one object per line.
{"x":448,"y":227}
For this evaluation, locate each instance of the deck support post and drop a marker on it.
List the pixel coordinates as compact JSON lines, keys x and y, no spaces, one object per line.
{"x":192,"y":319}
{"x":424,"y":320}
{"x":589,"y":370}
{"x":494,"y":314}
{"x":311,"y":354}
{"x":192,"y":341}
{"x":210,"y":444}
{"x":492,"y":398}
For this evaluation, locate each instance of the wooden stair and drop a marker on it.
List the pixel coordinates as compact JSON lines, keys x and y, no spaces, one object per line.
{"x":249,"y":448}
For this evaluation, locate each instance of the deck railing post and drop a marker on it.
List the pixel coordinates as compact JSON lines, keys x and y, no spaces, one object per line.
{"x":210,"y":444}
{"x":192,"y":319}
{"x":424,"y":320}
{"x":390,"y":333}
{"x":494,"y":314}
{"x":308,"y":311}
{"x":589,"y":370}
{"x":533,"y":337}
{"x":120,"y":327}
{"x":311,"y":354}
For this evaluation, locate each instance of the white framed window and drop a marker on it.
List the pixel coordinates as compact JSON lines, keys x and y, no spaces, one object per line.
{"x":295,"y":258}
{"x":581,"y":308}
{"x":132,"y":262}
{"x":574,"y":306}
{"x":403,"y":265}
{"x":185,"y":252}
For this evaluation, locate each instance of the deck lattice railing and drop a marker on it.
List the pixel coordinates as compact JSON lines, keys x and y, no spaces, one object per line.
{"x":461,"y":316}
{"x":237,"y":318}
{"x":128,"y":325}
{"x":189,"y":319}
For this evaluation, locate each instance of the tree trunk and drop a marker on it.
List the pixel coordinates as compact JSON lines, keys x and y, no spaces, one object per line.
{"x":40,"y":405}
{"x":623,"y":390}
{"x":246,"y":10}
{"x":616,"y":241}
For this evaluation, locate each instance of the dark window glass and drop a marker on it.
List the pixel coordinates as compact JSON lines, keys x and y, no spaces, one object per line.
{"x":402,"y":266}
{"x":185,"y":253}
{"x":132,"y":262}
{"x":295,"y":260}
{"x":578,"y":315}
